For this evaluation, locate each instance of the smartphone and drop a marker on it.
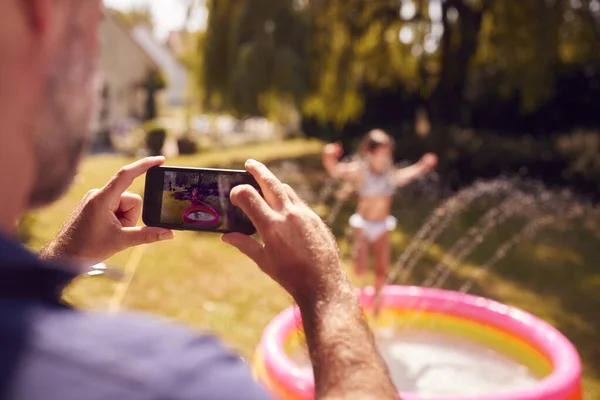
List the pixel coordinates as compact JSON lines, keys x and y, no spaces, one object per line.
{"x":195,"y":199}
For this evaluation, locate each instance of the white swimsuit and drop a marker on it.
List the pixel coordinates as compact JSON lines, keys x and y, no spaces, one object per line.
{"x":373,"y":229}
{"x":375,"y":185}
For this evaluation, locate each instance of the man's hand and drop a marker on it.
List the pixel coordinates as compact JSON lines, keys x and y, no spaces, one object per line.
{"x":105,"y":221}
{"x":299,"y":253}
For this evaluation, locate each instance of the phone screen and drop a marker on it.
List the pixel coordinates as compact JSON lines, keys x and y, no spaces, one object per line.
{"x":193,"y":199}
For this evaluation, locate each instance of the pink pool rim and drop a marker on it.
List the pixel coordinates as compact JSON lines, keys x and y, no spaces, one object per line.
{"x":274,"y":368}
{"x":207,"y":210}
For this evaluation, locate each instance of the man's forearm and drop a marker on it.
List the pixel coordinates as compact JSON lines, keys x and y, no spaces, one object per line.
{"x":49,"y":253}
{"x":346,"y":361}
{"x":53,"y":253}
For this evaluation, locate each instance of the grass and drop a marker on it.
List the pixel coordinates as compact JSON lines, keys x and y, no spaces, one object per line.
{"x":172,"y":209}
{"x":194,"y":279}
{"x":197,"y":280}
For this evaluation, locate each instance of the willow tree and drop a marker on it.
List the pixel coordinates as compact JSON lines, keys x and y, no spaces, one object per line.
{"x":319,"y":55}
{"x":424,"y":46}
{"x":254,"y":56}
{"x":525,"y":44}
{"x":353,"y":44}
{"x":136,"y":16}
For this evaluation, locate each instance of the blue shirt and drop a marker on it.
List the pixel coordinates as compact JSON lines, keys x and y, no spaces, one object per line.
{"x":50,"y":351}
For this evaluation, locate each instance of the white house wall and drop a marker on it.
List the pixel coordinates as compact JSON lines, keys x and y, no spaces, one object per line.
{"x":124,"y":65}
{"x":175,"y":72}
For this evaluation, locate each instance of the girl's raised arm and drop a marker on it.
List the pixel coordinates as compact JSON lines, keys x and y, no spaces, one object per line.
{"x":425,"y":165}
{"x":342,"y":170}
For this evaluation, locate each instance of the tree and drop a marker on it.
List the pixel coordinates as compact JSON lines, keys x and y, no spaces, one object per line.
{"x":526,"y":45}
{"x":322,"y":53}
{"x":254,"y":55}
{"x":136,"y":16}
{"x":323,"y":56}
{"x":155,"y":81}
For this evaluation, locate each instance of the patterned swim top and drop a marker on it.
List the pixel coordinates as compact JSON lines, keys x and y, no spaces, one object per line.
{"x":378,"y":184}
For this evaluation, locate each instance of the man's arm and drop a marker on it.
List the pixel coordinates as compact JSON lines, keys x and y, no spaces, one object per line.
{"x":342,"y":348}
{"x":105,"y":222}
{"x":300,"y":253}
{"x":425,"y":165}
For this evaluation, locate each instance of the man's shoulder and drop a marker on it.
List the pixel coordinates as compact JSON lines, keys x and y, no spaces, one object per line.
{"x":54,"y":352}
{"x":188,"y":364}
{"x":119,"y":353}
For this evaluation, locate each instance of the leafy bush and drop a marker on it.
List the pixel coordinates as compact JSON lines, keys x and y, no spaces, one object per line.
{"x":187,"y":145}
{"x":155,"y":138}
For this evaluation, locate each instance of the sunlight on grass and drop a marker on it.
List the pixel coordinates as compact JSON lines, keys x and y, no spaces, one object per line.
{"x":546,"y":253}
{"x":197,"y":280}
{"x":172,"y":209}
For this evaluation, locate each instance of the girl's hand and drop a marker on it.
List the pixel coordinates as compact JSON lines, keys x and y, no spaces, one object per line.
{"x":333,"y":150}
{"x":340,"y":170}
{"x":429,"y":161}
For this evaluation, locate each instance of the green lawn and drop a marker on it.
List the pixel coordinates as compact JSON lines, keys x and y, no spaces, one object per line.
{"x":172,"y":209}
{"x":197,"y":280}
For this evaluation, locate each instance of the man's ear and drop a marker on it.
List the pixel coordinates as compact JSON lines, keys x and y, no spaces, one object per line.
{"x":39,"y":14}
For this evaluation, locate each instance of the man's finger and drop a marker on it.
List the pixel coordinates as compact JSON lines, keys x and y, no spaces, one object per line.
{"x":129,"y":209}
{"x":292,"y":194}
{"x":272,"y":187}
{"x":247,"y":245}
{"x":126,"y":175}
{"x":253,"y":205}
{"x":137,"y":235}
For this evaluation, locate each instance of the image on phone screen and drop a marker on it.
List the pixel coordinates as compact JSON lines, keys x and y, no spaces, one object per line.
{"x":199,"y":200}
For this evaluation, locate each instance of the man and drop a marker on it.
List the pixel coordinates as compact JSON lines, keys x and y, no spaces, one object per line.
{"x":49,"y":54}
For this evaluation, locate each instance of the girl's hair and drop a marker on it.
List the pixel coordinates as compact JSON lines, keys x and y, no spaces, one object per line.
{"x":375,"y":139}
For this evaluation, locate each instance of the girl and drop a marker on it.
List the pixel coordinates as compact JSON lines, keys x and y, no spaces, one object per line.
{"x":195,"y":197}
{"x":376,"y":179}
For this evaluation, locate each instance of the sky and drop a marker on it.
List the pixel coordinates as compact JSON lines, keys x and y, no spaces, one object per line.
{"x":168,"y":14}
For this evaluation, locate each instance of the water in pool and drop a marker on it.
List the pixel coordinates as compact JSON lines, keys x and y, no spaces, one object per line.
{"x":435,"y":364}
{"x":201,"y":216}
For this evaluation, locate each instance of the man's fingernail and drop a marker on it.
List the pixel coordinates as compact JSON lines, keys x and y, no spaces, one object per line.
{"x":251,"y":162}
{"x":166,"y":235}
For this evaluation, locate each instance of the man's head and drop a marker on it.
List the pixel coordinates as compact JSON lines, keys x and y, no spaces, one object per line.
{"x":49,"y":57}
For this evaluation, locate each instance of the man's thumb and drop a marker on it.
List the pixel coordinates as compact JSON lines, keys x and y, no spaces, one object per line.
{"x":138,"y":235}
{"x":246,"y":245}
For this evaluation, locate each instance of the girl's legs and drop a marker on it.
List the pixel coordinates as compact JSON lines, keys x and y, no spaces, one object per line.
{"x":360,"y":253}
{"x":382,"y":250}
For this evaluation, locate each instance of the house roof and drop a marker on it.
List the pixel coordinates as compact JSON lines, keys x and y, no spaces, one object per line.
{"x":112,"y":17}
{"x":162,"y":55}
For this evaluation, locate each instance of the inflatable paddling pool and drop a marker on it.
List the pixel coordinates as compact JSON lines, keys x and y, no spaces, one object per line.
{"x":201,"y":215}
{"x":439,"y":345}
